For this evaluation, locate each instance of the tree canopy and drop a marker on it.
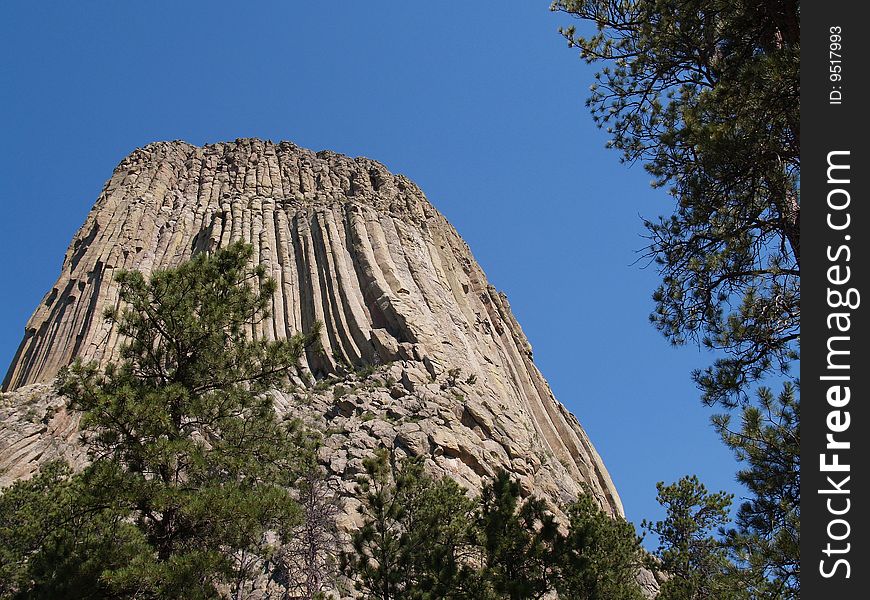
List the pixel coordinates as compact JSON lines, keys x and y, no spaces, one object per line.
{"x":425,"y":538}
{"x":706,"y":94}
{"x":698,"y":564}
{"x":191,"y":469}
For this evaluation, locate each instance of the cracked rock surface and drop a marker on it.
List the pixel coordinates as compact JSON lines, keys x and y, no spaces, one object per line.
{"x":420,"y":352}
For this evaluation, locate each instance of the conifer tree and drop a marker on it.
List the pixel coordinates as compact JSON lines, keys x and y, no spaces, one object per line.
{"x":698,"y":565}
{"x":416,"y":540}
{"x":56,"y":539}
{"x":600,"y":556}
{"x":527,"y":554}
{"x":767,"y":532}
{"x":706,"y":94}
{"x":517,"y":540}
{"x":190,"y":466}
{"x":424,"y":538}
{"x":376,"y":565}
{"x":439,"y":523}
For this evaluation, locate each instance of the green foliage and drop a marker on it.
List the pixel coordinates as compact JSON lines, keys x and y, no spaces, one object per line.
{"x":707,"y":96}
{"x":705,"y":560}
{"x":767,"y":536}
{"x":56,"y":541}
{"x":425,"y":539}
{"x":437,"y":521}
{"x":519,"y":559}
{"x":190,"y":467}
{"x":365,"y":371}
{"x":376,"y":563}
{"x":453,"y":376}
{"x":599,"y":557}
{"x":696,"y":561}
{"x":413,"y":542}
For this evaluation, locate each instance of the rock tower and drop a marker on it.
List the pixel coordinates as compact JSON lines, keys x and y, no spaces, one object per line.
{"x":420,"y":352}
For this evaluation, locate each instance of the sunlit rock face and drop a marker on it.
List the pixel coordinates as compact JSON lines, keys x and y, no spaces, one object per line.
{"x":420,"y":353}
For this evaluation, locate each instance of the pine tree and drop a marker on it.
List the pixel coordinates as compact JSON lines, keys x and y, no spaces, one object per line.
{"x":698,"y":565}
{"x":517,"y":540}
{"x":438,"y":522}
{"x":526,"y":554}
{"x":424,"y":538}
{"x":706,"y":94}
{"x":184,"y":441}
{"x":416,"y":540}
{"x":56,"y":539}
{"x":376,"y":564}
{"x":767,"y":533}
{"x":600,"y":557}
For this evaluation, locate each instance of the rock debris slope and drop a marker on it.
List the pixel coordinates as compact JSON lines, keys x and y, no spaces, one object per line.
{"x":421,"y":353}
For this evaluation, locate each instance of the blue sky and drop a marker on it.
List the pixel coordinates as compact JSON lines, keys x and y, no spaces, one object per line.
{"x":480,"y":103}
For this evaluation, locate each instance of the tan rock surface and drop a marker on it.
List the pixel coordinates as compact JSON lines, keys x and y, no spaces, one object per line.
{"x":352,"y":246}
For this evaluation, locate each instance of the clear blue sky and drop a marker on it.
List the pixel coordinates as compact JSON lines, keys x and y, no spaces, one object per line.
{"x":480,"y":103}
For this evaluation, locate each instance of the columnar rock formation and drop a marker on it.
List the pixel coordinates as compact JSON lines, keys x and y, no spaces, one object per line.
{"x":420,"y":353}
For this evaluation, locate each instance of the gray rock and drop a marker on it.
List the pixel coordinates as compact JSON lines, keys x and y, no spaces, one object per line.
{"x":350,"y":245}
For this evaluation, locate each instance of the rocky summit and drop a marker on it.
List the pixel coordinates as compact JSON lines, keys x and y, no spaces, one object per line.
{"x":419,"y":352}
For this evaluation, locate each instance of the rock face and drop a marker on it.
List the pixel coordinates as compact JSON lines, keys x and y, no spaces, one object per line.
{"x":420,"y":353}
